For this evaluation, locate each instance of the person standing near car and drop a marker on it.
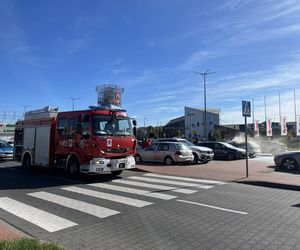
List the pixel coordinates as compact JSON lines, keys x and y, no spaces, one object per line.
{"x":146,"y":143}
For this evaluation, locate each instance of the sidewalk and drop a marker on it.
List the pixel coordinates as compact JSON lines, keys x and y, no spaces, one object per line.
{"x":7,"y":232}
{"x":261,"y":170}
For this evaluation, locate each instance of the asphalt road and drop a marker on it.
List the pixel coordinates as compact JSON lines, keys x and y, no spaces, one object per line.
{"x":129,"y":212}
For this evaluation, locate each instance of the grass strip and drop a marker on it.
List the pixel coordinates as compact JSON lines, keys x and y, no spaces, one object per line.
{"x":28,"y":244}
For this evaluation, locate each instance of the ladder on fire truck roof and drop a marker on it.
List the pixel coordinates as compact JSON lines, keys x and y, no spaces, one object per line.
{"x":43,"y":113}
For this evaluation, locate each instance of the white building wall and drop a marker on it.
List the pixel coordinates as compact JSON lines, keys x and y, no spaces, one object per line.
{"x":194,"y":122}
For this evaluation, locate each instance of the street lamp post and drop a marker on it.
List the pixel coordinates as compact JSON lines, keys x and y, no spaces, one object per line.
{"x":204,"y":82}
{"x":145,"y":131}
{"x":190,"y":115}
{"x":73,"y":99}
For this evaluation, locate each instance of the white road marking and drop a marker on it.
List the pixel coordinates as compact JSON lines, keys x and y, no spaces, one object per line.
{"x":81,"y":206}
{"x":160,"y":187}
{"x":40,"y":218}
{"x":186,"y":179}
{"x":179,"y":183}
{"x":110,"y":197}
{"x":134,"y":191}
{"x":218,"y":208}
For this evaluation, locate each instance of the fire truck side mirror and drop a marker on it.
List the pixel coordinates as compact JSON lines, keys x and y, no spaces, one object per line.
{"x":134,"y":122}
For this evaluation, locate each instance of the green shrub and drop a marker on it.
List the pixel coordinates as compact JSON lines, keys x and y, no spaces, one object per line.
{"x":28,"y":244}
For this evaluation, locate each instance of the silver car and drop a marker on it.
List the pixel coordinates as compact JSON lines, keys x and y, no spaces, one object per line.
{"x":201,"y":154}
{"x":289,"y":160}
{"x":166,"y":152}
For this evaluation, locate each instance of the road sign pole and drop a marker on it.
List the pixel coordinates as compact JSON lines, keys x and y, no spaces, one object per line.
{"x":246,"y":146}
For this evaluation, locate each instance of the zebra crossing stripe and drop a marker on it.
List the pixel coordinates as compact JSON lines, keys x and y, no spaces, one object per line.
{"x":38,"y":217}
{"x":133,"y":191}
{"x":186,"y":179}
{"x":110,"y":197}
{"x":179,"y":183}
{"x":81,"y":206}
{"x":160,"y":187}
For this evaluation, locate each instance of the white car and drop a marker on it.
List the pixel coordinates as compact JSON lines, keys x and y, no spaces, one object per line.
{"x":201,"y":154}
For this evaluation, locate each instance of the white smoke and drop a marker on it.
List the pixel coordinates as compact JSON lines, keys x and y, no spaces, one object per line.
{"x":262,"y":144}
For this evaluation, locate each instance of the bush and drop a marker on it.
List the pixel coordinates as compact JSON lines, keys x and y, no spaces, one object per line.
{"x":28,"y":244}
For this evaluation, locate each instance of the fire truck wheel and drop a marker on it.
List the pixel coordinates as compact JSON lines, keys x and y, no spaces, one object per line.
{"x":73,"y":168}
{"x":26,"y":161}
{"x":115,"y":173}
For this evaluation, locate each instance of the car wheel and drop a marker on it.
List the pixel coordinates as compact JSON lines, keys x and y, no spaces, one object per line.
{"x":289,"y":164}
{"x":138,"y":158}
{"x":73,"y":168}
{"x":196,"y":159}
{"x":115,"y":173}
{"x":230,"y":156}
{"x":168,"y":161}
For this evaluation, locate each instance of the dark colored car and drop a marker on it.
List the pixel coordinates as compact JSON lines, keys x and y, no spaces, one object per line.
{"x":223,"y":150}
{"x":289,"y":160}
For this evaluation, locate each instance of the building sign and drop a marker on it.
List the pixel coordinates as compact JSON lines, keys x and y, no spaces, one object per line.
{"x":269,"y":127}
{"x":256,"y":128}
{"x":109,"y":95}
{"x":283,"y":126}
{"x":246,"y":108}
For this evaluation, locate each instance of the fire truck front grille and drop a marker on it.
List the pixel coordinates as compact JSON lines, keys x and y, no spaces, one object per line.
{"x":117,"y":150}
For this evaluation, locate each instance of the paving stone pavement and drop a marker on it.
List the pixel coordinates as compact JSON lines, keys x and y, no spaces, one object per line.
{"x":271,"y":218}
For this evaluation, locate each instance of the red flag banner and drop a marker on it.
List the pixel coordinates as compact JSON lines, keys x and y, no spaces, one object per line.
{"x":269,"y":127}
{"x":298,"y":126}
{"x":283,"y":125}
{"x":256,"y":129}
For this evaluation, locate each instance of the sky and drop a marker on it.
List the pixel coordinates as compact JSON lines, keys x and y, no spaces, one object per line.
{"x":53,"y":50}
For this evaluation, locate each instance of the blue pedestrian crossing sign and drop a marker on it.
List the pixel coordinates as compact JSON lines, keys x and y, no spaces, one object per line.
{"x":246,"y":108}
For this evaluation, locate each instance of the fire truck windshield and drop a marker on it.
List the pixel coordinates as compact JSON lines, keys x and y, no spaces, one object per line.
{"x":111,"y":125}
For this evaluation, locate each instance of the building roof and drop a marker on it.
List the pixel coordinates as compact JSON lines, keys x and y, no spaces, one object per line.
{"x":210,"y":110}
{"x":178,"y":119}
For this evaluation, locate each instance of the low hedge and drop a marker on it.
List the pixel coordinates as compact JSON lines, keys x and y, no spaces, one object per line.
{"x":28,"y":244}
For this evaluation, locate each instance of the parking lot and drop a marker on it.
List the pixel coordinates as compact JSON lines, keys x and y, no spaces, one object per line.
{"x":156,"y":207}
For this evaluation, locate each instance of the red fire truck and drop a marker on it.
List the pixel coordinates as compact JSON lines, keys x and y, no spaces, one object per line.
{"x":97,"y":140}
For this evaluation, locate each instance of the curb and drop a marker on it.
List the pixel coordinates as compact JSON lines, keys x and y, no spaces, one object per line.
{"x":8,"y":232}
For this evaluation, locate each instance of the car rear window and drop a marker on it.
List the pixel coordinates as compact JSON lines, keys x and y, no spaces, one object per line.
{"x":182,"y":146}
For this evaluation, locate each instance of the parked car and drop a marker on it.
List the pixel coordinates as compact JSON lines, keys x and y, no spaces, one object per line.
{"x":289,"y":160}
{"x":6,"y":151}
{"x":224,"y":150}
{"x":166,"y":152}
{"x":201,"y":154}
{"x":253,"y":148}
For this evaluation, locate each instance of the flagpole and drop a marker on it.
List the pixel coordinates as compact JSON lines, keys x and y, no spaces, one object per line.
{"x":295,"y":106}
{"x":253,"y":114}
{"x":279,"y":109}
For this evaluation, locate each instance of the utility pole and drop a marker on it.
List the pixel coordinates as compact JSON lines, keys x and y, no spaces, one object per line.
{"x":204,"y":83}
{"x":25,"y":108}
{"x":145,"y":131}
{"x":73,"y":99}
